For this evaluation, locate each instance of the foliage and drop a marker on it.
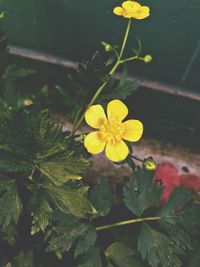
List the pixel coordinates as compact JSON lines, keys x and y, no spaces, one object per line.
{"x":142,"y":193}
{"x":49,"y":210}
{"x":88,"y":76}
{"x":101,"y":198}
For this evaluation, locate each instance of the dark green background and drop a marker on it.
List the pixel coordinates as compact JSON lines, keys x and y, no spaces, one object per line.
{"x":73,"y":29}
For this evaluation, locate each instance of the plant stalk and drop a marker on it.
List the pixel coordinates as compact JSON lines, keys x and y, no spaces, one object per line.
{"x":112,"y":71}
{"x":113,"y":225}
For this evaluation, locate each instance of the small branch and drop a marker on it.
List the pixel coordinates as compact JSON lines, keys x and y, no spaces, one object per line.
{"x":131,"y":59}
{"x":113,"y":225}
{"x":136,"y":158}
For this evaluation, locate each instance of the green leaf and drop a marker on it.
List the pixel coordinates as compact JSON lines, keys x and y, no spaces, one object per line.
{"x":62,"y":167}
{"x":91,"y":259}
{"x":174,"y":214}
{"x":38,"y":144}
{"x":158,"y":249}
{"x":101,"y":198}
{"x":142,"y":193}
{"x":9,"y":234}
{"x":121,"y":255}
{"x":66,"y":236}
{"x":86,"y":242}
{"x":10,"y":203}
{"x":123,"y":88}
{"x":41,"y":210}
{"x":23,"y":260}
{"x":69,"y":199}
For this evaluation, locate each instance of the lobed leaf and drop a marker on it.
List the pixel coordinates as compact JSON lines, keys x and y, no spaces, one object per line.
{"x":142,"y":192}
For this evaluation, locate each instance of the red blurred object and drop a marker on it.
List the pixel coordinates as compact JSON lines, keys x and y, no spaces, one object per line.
{"x":168,"y":175}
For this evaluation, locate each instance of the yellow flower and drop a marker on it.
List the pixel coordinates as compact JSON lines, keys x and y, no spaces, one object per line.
{"x":132,"y":9}
{"x":111,"y":130}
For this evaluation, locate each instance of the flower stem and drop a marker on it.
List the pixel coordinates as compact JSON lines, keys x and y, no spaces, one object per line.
{"x":113,"y":225}
{"x":136,"y":158}
{"x":131,"y":59}
{"x":112,"y":71}
{"x":125,"y":38}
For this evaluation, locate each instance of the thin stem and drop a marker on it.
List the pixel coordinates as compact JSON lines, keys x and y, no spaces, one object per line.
{"x":113,"y":225}
{"x":131,"y":59}
{"x":112,"y":71}
{"x":136,"y":158}
{"x":125,"y":38}
{"x":99,"y":90}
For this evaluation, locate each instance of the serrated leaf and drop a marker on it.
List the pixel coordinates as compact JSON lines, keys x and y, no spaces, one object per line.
{"x":172,"y":217}
{"x":38,"y":144}
{"x":41,"y":210}
{"x":101,"y":198}
{"x":86,"y":242}
{"x":91,"y":259}
{"x":158,"y":249}
{"x":69,"y":199}
{"x":121,"y":255}
{"x":142,"y":193}
{"x":66,"y":236}
{"x":10,"y":203}
{"x":122,"y":88}
{"x":63,"y":167}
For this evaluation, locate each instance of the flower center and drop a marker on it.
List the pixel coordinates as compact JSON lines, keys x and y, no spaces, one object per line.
{"x":112,"y":130}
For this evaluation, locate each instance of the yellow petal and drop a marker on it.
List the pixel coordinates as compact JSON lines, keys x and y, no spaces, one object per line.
{"x":93,"y":143}
{"x":117,"y":109}
{"x":118,"y":11}
{"x":131,"y":5}
{"x":127,"y":14}
{"x":116,"y":152}
{"x":95,"y":116}
{"x":133,"y":130}
{"x":142,"y":13}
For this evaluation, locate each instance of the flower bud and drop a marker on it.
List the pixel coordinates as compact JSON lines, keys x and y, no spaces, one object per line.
{"x":148,"y":58}
{"x":107,"y":46}
{"x":27,"y":102}
{"x":149,"y":164}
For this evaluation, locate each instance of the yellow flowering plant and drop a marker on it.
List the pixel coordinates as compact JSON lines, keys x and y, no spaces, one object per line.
{"x":51,"y":200}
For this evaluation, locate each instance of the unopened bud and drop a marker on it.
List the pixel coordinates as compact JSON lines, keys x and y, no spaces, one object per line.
{"x":148,"y":58}
{"x":107,"y":46}
{"x":27,"y":102}
{"x":149,"y":164}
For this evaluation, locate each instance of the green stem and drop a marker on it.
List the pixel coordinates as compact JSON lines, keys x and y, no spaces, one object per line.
{"x":112,"y":71}
{"x":113,"y":225}
{"x":131,"y":59}
{"x":136,"y":158}
{"x":125,"y":38}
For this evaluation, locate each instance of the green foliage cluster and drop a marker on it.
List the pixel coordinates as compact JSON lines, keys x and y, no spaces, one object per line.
{"x":51,"y":216}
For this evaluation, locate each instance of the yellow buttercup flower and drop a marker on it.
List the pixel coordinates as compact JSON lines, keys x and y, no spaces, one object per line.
{"x":132,"y":9}
{"x":111,"y":130}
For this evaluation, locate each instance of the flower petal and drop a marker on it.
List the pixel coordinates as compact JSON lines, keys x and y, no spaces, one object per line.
{"x":117,"y":152}
{"x":133,"y":130}
{"x":118,"y":109}
{"x":95,"y":116}
{"x":142,"y":13}
{"x":93,"y":143}
{"x":131,"y":5}
{"x":118,"y":11}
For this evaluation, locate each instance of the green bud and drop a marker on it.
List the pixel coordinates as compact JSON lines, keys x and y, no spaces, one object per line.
{"x":148,"y":58}
{"x":27,"y":102}
{"x":1,"y":15}
{"x":107,"y":46}
{"x":149,"y":164}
